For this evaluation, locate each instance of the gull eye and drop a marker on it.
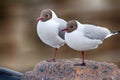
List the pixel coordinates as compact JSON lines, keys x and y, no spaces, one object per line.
{"x":46,"y":15}
{"x":71,"y":26}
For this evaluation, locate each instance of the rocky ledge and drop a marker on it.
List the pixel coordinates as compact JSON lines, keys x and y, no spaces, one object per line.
{"x":65,"y":69}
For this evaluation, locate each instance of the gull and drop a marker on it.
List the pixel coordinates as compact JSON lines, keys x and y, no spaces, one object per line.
{"x":49,"y":28}
{"x":83,"y":37}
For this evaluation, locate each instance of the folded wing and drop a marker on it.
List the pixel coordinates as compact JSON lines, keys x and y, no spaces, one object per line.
{"x":95,"y":32}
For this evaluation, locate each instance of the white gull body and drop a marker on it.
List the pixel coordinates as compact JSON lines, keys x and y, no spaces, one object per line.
{"x":86,"y":37}
{"x":50,"y":31}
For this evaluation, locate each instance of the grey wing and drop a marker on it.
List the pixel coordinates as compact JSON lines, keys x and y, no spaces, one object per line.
{"x":95,"y":32}
{"x":62,"y":25}
{"x":61,"y":34}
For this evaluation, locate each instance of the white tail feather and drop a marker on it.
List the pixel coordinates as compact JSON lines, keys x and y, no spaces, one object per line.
{"x":111,"y":34}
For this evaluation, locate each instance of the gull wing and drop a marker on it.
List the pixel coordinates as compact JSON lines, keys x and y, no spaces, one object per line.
{"x":62,"y":25}
{"x":95,"y":32}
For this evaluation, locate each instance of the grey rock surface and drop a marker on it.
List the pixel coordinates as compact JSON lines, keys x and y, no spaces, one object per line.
{"x":64,"y":69}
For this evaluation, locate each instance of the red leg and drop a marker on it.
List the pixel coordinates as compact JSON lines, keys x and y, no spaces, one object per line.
{"x":83,"y":63}
{"x":54,"y":55}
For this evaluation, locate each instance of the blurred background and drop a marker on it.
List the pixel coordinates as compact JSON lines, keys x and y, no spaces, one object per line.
{"x":20,"y":47}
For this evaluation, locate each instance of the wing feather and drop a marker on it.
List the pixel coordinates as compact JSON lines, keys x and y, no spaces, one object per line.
{"x":62,"y":25}
{"x":95,"y":32}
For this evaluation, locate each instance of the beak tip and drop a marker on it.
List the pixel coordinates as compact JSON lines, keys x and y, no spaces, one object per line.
{"x":64,"y":29}
{"x":38,"y":19}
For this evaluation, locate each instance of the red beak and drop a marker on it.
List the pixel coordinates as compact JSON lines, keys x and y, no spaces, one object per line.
{"x":38,"y":19}
{"x":65,"y":29}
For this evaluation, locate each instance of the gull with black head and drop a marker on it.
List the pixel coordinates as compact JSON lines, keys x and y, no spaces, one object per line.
{"x":49,"y":28}
{"x":83,"y":37}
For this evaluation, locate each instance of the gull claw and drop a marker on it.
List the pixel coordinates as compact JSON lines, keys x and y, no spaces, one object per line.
{"x":51,"y":60}
{"x":82,"y":64}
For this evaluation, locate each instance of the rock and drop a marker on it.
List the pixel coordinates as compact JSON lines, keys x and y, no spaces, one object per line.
{"x":66,"y":70}
{"x":8,"y":74}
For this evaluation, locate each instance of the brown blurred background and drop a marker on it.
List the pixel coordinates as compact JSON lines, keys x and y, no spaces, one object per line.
{"x":20,"y":47}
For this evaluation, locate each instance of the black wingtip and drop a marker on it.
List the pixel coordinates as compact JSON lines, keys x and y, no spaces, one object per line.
{"x":118,"y":31}
{"x":115,"y":32}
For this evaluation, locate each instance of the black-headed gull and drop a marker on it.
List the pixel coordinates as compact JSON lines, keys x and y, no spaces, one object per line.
{"x":49,"y":30}
{"x":83,"y":37}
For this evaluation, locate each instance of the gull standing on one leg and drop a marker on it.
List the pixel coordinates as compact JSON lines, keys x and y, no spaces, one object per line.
{"x":49,"y":28}
{"x":83,"y":37}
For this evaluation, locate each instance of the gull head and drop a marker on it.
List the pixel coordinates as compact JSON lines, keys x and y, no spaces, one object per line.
{"x":45,"y":15}
{"x":71,"y":26}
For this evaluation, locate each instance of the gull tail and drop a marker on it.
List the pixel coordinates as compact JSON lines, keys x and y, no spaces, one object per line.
{"x":8,"y":74}
{"x":116,"y":32}
{"x":112,"y":33}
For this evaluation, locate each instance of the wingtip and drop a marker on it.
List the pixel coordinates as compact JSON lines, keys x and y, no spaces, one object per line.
{"x":118,"y":31}
{"x":115,"y":32}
